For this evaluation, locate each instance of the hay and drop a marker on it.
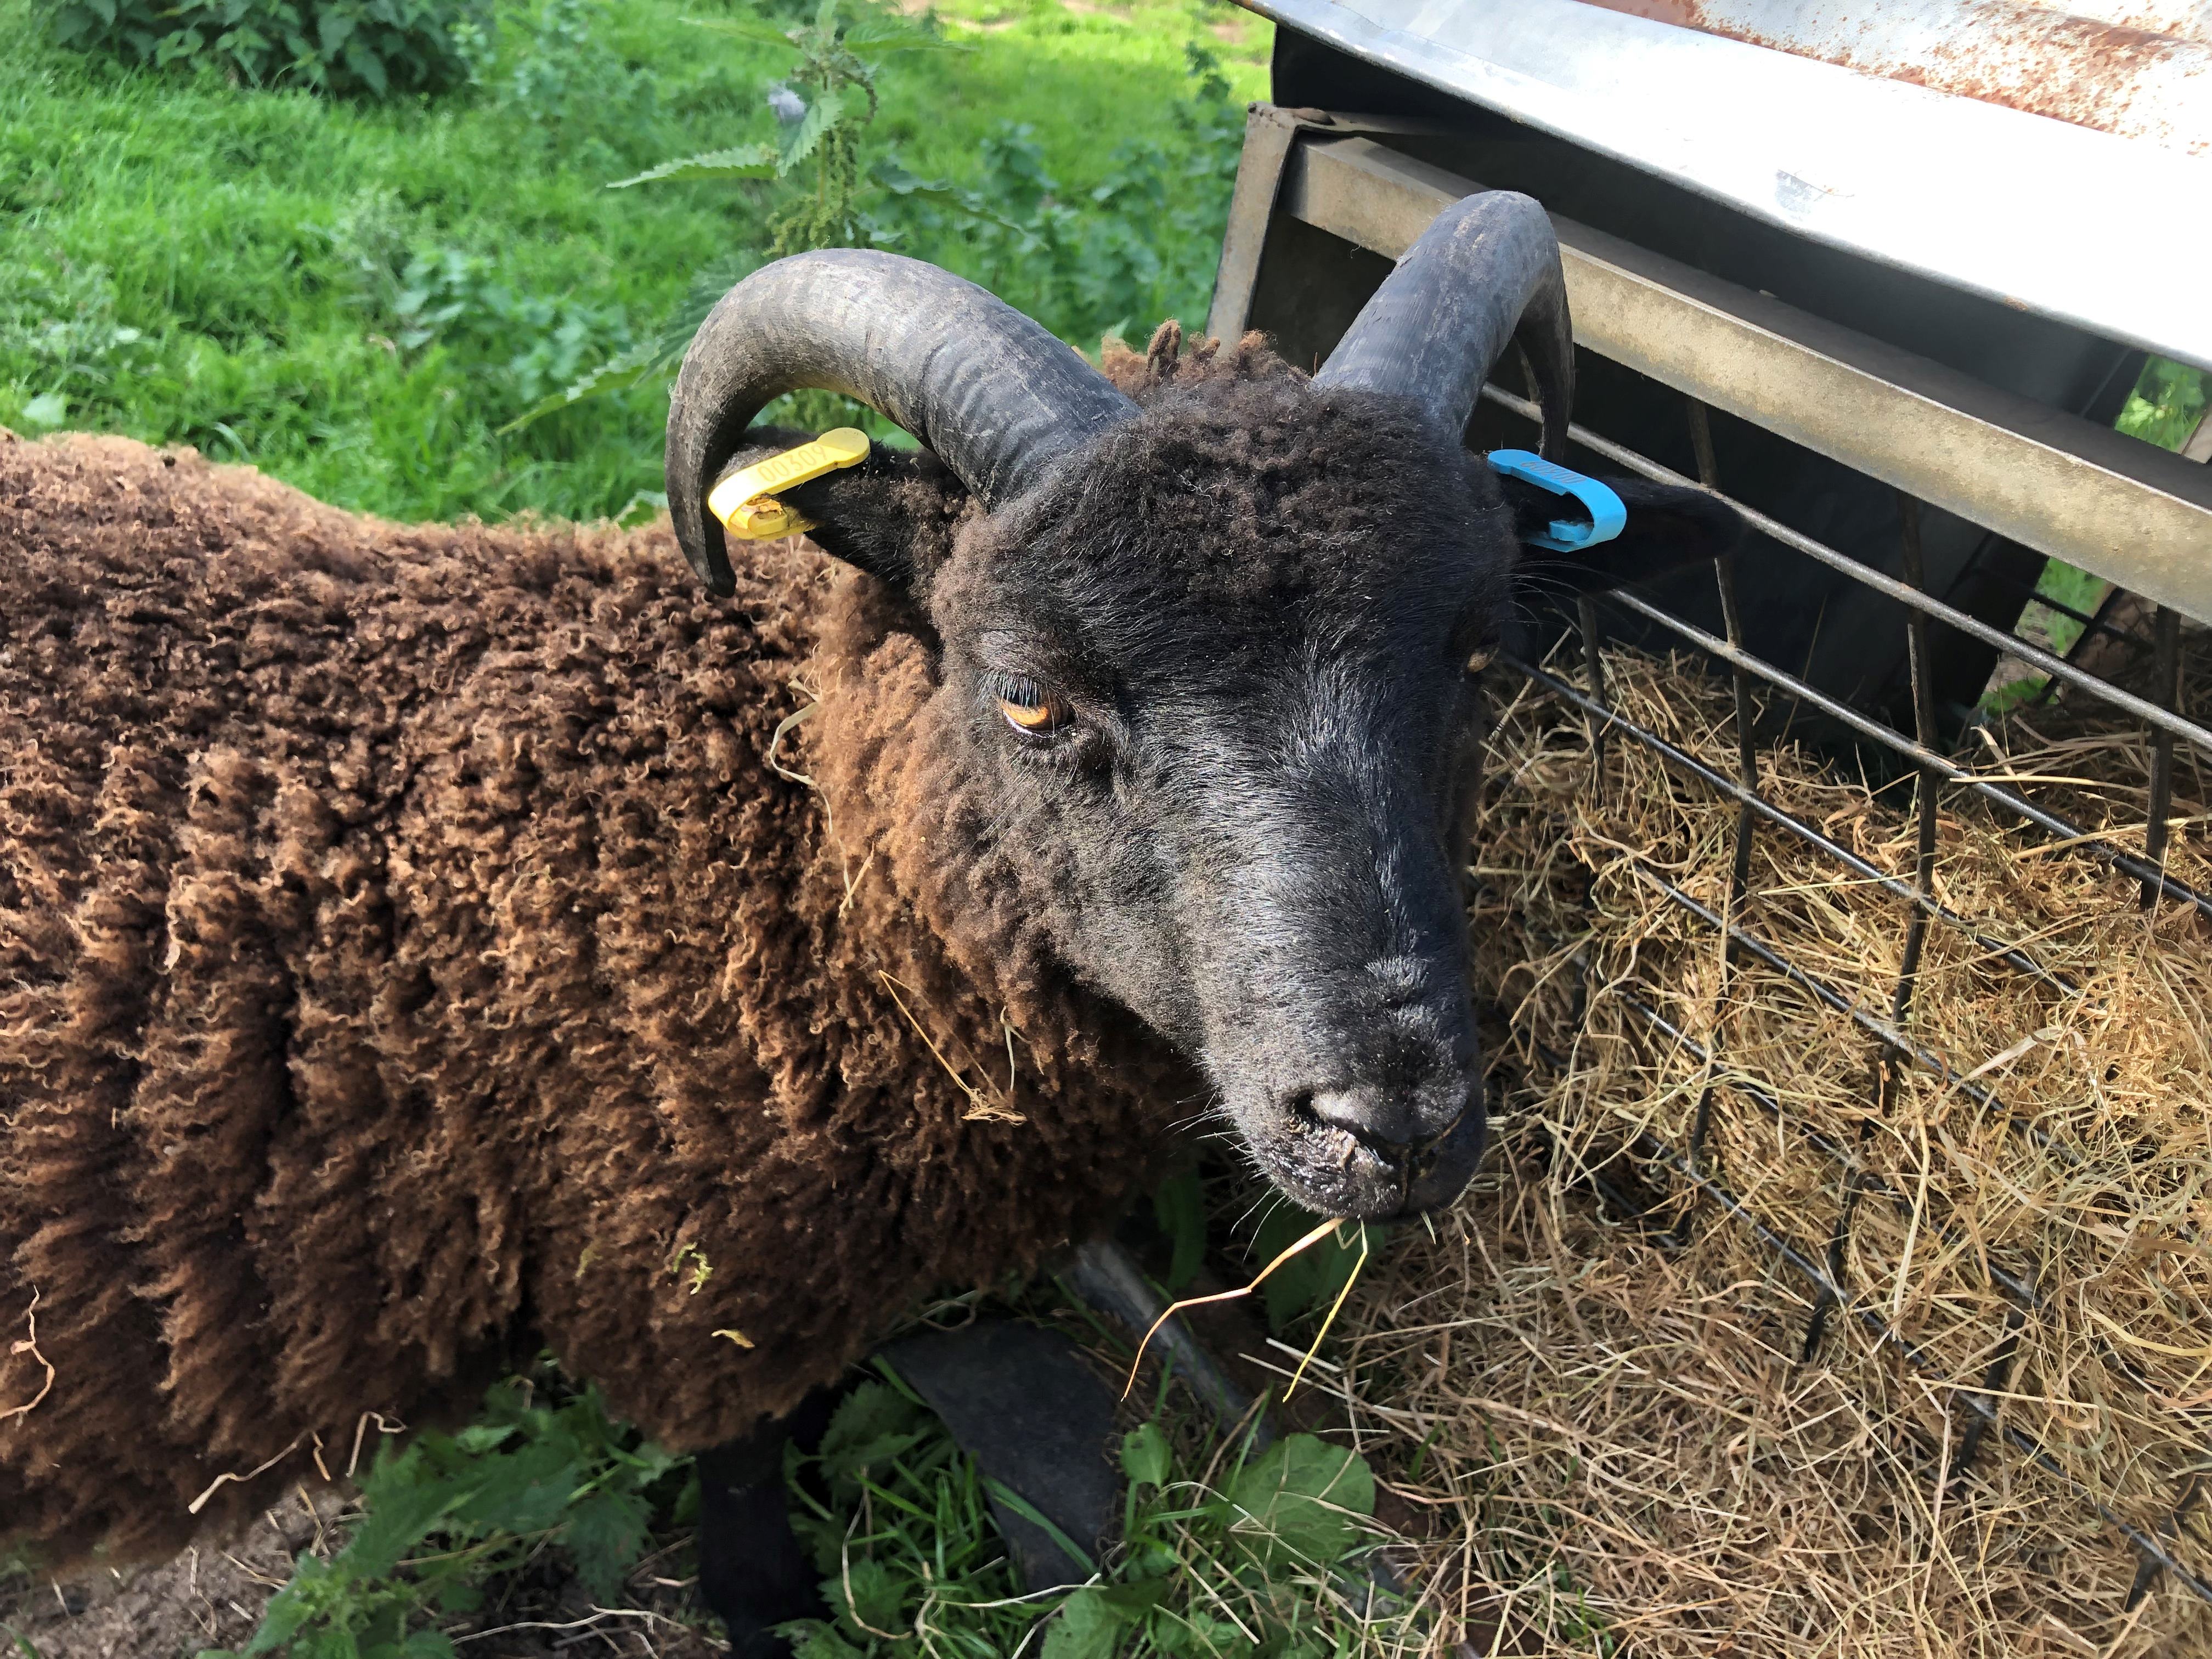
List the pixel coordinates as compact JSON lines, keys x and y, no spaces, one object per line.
{"x":1603,"y":1401}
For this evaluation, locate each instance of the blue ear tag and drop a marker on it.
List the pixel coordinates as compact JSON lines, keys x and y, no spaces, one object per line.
{"x":1607,"y":517}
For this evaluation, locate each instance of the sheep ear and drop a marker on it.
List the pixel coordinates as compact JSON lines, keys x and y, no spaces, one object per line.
{"x":892,"y":515}
{"x":1668,"y":525}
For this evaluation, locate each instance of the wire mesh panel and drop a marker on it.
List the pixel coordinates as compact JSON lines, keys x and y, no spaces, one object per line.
{"x":1906,"y":1027}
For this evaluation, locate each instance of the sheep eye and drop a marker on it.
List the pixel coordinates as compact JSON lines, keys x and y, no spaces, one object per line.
{"x":1027,"y":707}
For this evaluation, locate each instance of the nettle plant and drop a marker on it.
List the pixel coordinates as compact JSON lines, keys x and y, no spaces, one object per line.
{"x":827,"y":99}
{"x":822,"y":107}
{"x":371,"y":48}
{"x":543,"y":1467}
{"x":1137,"y":246}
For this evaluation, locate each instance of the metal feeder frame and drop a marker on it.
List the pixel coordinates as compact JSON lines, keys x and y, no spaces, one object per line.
{"x":1689,"y":366}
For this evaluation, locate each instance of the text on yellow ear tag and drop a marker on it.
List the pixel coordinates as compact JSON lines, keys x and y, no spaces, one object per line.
{"x":745,"y":500}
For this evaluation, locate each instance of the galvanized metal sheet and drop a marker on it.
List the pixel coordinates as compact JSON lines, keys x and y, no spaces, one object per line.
{"x":2048,"y":214}
{"x":2133,"y":514}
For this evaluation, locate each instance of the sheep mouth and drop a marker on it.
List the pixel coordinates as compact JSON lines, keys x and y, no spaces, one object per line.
{"x":1333,"y":1172}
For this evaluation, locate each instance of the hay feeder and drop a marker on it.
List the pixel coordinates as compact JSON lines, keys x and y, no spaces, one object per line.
{"x":1844,"y":1286}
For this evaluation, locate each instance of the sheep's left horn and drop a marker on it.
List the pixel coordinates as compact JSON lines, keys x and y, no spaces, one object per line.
{"x":995,"y":395}
{"x":1486,"y":271}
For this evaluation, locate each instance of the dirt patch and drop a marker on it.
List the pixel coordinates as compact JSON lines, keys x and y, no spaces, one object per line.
{"x":214,"y":1596}
{"x":209,"y":1597}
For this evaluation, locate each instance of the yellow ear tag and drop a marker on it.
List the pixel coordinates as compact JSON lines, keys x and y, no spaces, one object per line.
{"x":746,"y":502}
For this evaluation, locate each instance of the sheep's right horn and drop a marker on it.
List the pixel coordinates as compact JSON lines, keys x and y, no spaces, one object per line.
{"x":993,"y":394}
{"x":1486,"y":271}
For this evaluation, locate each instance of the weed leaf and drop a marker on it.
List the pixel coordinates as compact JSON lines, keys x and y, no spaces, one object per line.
{"x":1087,"y":1628}
{"x":1179,"y":1205}
{"x":738,"y":162}
{"x":1309,"y":1281}
{"x":811,"y":1638}
{"x":1299,"y":1503}
{"x":606,"y":1533}
{"x":868,"y":1595}
{"x":405,"y":1502}
{"x":1144,"y":1455}
{"x":872,"y":1425}
{"x":757,"y":29}
{"x":823,"y":113}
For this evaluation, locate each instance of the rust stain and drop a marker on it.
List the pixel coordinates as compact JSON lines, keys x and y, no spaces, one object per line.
{"x":2076,"y":69}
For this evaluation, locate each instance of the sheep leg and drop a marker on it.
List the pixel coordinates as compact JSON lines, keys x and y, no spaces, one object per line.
{"x":753,"y":1573}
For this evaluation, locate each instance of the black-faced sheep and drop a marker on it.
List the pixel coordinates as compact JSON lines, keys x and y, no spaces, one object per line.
{"x":417,"y":944}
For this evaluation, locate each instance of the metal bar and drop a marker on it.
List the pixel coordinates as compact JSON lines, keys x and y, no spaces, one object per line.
{"x":2133,"y":81}
{"x":1829,"y":997}
{"x":1259,"y":175}
{"x":2198,"y":447}
{"x":1993,"y":1383}
{"x":2099,"y":627}
{"x":2167,"y":632}
{"x":1953,"y":188}
{"x":2091,"y":621}
{"x":1747,"y":817}
{"x":1719,"y":345}
{"x":1701,"y":440}
{"x":1594,"y":667}
{"x":1889,"y":1056}
{"x":1931,"y":783}
{"x":2148,"y":1568}
{"x":2134,"y":513}
{"x":2126,"y":863}
{"x":1268,"y":132}
{"x":2057,"y":667}
{"x":2011,"y":954}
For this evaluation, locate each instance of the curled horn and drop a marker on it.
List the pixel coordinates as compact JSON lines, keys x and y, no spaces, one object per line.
{"x":1486,"y":271}
{"x":994,"y":395}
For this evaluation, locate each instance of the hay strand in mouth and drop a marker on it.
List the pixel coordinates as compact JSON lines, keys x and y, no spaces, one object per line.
{"x":1258,"y":1278}
{"x":1322,"y":1335}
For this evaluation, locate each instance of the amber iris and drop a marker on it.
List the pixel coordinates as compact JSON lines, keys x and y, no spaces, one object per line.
{"x":1029,"y":706}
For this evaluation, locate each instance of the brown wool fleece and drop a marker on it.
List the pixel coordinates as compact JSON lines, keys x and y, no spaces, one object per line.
{"x":410,"y":957}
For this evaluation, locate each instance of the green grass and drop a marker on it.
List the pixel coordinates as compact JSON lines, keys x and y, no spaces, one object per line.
{"x":1221,"y":1549}
{"x":187,"y":262}
{"x":2168,"y":401}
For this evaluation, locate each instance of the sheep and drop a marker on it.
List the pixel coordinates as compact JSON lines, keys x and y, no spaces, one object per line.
{"x":419,"y":945}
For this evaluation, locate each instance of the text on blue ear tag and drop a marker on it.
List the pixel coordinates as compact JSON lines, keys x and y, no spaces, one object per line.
{"x":1607,"y":517}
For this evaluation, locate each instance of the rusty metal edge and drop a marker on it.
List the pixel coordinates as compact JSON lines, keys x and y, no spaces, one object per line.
{"x":2133,"y":514}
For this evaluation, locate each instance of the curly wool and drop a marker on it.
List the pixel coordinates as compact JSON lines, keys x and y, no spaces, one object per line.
{"x":412,"y":954}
